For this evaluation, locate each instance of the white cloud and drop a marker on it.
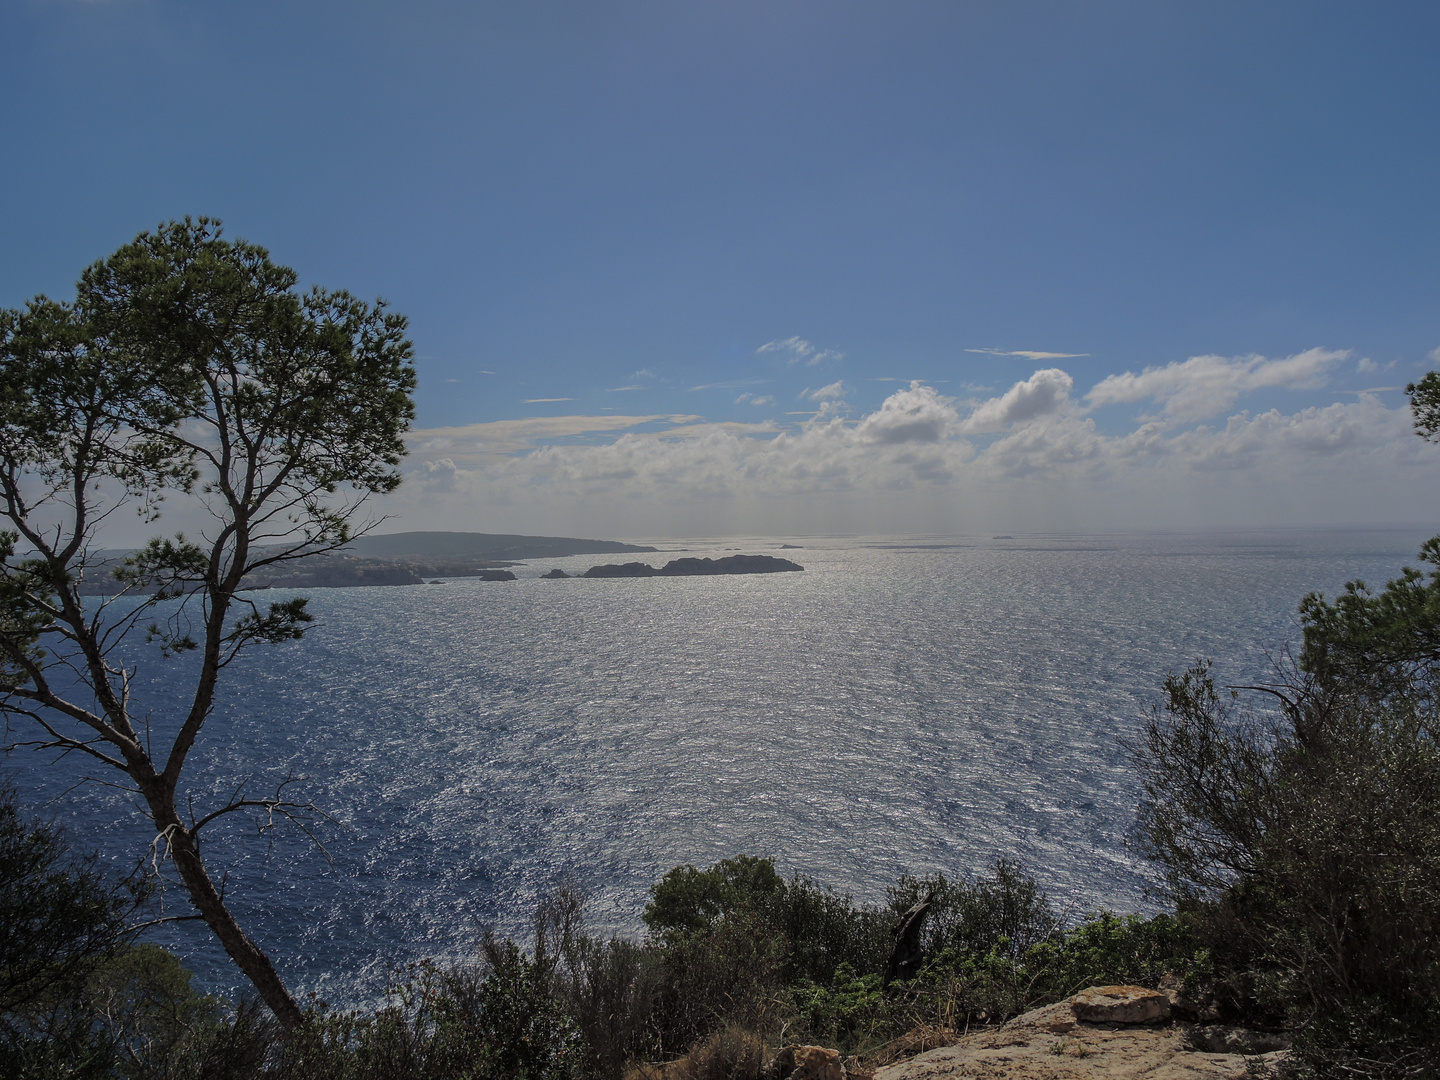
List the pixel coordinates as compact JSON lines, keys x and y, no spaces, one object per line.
{"x":1204,"y":386}
{"x":1273,"y":439}
{"x":834,"y":390}
{"x":1043,"y":394}
{"x":510,"y":436}
{"x":539,"y":400}
{"x":755,"y":399}
{"x":734,"y":384}
{"x":798,"y":350}
{"x":439,"y":475}
{"x":918,"y":414}
{"x":914,"y":463}
{"x":1366,"y":365}
{"x":1030,"y":355}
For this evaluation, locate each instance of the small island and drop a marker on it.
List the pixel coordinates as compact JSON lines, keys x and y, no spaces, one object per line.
{"x":692,"y":567}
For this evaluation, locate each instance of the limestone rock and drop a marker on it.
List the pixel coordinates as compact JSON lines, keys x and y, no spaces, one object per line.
{"x":1058,"y":1018}
{"x":1220,"y":1039}
{"x":1120,"y":1005}
{"x":1183,"y":1006}
{"x":1055,"y":1043}
{"x":806,"y":1063}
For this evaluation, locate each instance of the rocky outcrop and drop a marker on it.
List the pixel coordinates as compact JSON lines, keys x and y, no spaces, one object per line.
{"x":495,"y":575}
{"x":730,"y":564}
{"x":629,"y":569}
{"x":1057,"y":1042}
{"x":555,"y":574}
{"x":805,"y":1063}
{"x":1120,"y":1005}
{"x":691,"y":567}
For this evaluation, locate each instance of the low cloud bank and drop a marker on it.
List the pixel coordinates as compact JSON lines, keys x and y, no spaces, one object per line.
{"x":1032,"y":457}
{"x":1205,"y":386}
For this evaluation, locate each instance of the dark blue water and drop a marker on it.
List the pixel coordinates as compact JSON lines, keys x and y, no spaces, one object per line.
{"x":904,"y":705}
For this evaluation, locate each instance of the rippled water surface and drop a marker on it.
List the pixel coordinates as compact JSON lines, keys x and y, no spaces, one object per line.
{"x":902,"y":705}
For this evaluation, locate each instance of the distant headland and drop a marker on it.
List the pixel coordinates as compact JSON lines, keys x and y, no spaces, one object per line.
{"x":405,"y":558}
{"x":468,"y":546}
{"x":410,"y":558}
{"x":730,"y":564}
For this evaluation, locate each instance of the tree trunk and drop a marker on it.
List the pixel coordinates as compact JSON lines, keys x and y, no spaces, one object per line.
{"x":247,"y":955}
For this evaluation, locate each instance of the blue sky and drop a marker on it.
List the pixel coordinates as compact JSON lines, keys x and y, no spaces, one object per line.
{"x":680,"y":268}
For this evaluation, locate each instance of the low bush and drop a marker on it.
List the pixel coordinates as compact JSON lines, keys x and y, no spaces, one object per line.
{"x":814,"y":928}
{"x":61,"y":916}
{"x":972,"y":917}
{"x":717,"y":981}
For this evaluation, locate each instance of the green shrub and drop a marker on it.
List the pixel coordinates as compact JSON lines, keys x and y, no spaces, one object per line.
{"x":504,"y":1021}
{"x":1307,"y":842}
{"x":817,"y":929}
{"x":60,"y":915}
{"x":1108,"y":949}
{"x":852,"y":1012}
{"x":973,"y":917}
{"x":1364,"y":1041}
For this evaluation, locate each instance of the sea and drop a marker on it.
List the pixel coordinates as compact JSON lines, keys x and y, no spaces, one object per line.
{"x":906,"y":705}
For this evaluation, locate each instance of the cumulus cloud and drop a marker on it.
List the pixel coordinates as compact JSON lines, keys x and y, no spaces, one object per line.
{"x":439,"y":475}
{"x":797,"y":350}
{"x":1043,"y":394}
{"x":1204,"y":386}
{"x":916,"y":415}
{"x":1273,"y":439}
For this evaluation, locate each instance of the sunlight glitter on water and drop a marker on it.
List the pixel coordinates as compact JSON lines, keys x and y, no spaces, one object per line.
{"x":901,"y":706}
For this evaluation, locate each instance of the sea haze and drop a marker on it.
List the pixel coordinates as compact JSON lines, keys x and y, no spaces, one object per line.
{"x":904,"y":705}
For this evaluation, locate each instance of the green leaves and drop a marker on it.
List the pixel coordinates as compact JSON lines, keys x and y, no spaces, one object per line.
{"x":689,"y":900}
{"x":26,"y":600}
{"x":77,"y":405}
{"x":1367,"y":639}
{"x":285,"y":621}
{"x":190,"y":362}
{"x":1425,"y":404}
{"x":167,"y":566}
{"x":59,"y":914}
